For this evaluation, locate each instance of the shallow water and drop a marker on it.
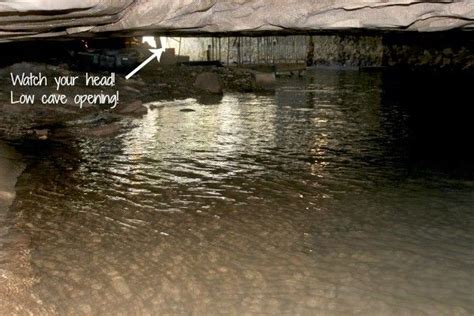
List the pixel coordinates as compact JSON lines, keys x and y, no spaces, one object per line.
{"x":334,"y":196}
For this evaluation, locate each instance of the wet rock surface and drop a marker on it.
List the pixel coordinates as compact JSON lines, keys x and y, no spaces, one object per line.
{"x":134,"y":108}
{"x":208,"y":82}
{"x":264,"y":81}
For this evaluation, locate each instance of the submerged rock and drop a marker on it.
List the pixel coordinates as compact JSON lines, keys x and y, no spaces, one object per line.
{"x":102,"y":131}
{"x":134,"y":108}
{"x":100,"y":118}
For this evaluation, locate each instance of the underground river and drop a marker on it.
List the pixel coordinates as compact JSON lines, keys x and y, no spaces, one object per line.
{"x":342,"y":193}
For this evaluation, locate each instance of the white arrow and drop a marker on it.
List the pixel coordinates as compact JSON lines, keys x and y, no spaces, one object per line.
{"x":143,"y":64}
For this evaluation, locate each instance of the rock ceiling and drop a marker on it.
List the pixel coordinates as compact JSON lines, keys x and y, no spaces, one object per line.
{"x":21,"y":19}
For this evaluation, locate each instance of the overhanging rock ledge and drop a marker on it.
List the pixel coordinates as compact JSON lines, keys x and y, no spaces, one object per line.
{"x":20,"y":19}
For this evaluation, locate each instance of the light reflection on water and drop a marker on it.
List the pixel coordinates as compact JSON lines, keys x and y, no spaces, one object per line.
{"x":304,"y":202}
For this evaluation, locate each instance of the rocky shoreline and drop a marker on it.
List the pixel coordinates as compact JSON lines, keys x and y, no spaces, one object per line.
{"x":153,"y":84}
{"x":16,"y":276}
{"x":11,"y":168}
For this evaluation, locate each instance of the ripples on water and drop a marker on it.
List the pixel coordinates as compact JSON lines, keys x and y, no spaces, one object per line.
{"x":333,"y":196}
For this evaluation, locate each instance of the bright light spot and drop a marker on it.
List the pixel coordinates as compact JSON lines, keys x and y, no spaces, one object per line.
{"x":150,"y":40}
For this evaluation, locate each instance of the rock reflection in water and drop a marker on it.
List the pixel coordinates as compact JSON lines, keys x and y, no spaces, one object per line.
{"x":305,"y":202}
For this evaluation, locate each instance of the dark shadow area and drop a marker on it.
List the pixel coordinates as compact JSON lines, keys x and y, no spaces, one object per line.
{"x":437,"y":106}
{"x":117,"y":54}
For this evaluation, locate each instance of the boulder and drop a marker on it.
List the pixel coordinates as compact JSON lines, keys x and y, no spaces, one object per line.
{"x":168,"y":57}
{"x":208,"y":82}
{"x":264,"y":81}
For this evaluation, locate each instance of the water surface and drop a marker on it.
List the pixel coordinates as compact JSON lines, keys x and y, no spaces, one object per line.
{"x":333,"y":197}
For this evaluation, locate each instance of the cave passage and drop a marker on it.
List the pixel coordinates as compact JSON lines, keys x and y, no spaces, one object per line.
{"x":273,"y":173}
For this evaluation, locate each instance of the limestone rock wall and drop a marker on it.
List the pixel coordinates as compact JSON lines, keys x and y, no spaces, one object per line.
{"x":435,"y":50}
{"x":449,"y":51}
{"x":348,"y":50}
{"x":50,"y":18}
{"x":453,"y":50}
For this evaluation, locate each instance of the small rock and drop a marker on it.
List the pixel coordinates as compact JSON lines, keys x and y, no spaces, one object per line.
{"x":85,"y":308}
{"x":121,"y":286}
{"x":134,"y":108}
{"x":154,"y":106}
{"x":42,"y":134}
